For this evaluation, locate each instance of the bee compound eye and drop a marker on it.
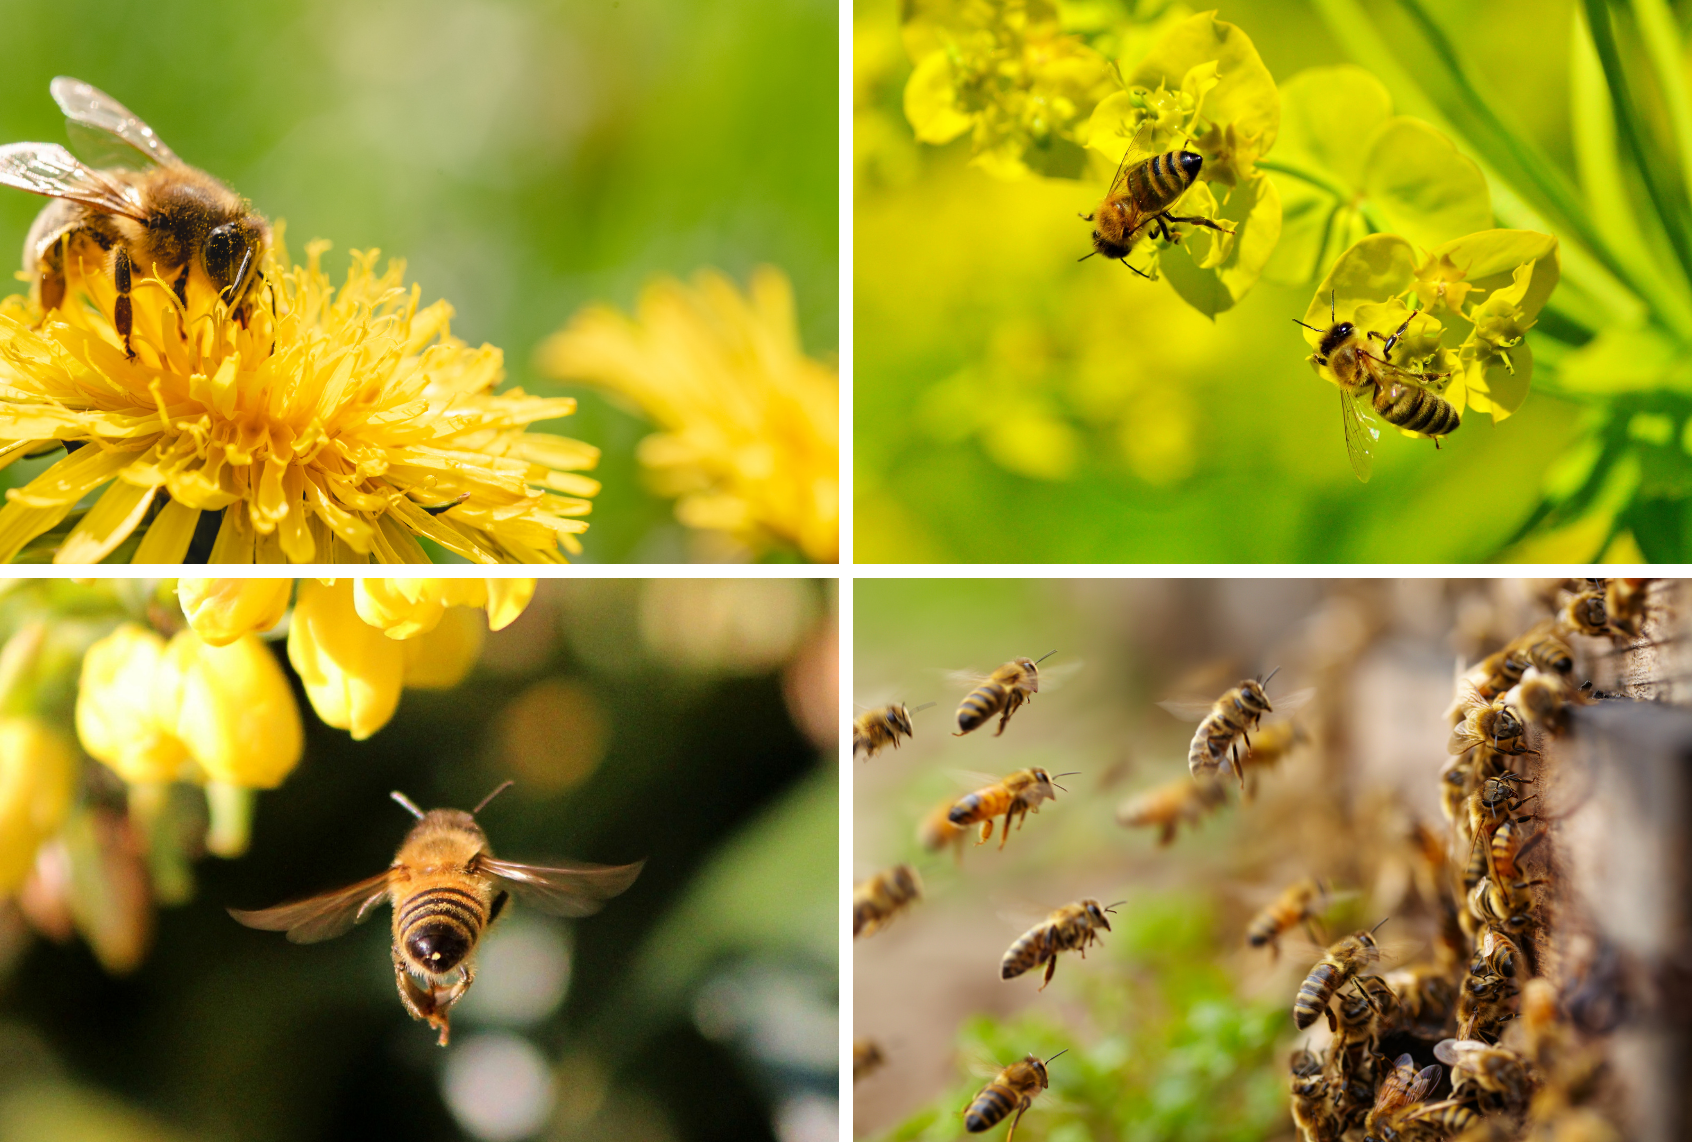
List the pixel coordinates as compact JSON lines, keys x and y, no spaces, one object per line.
{"x":437,"y":946}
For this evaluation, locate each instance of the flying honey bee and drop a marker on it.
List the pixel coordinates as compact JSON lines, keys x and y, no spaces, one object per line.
{"x":1182,"y":800}
{"x":1298,"y":904}
{"x":1143,"y":191}
{"x":936,"y":831}
{"x":1402,"y":1086}
{"x":1346,"y":958}
{"x":150,"y":213}
{"x":1001,"y":693}
{"x":1074,"y":926}
{"x":446,"y":887}
{"x":1400,"y":396}
{"x":1225,"y":721}
{"x":1015,"y":795}
{"x":1009,"y":1093}
{"x":1495,"y":724}
{"x":883,"y":896}
{"x":885,"y":726}
{"x":1274,"y":743}
{"x":866,"y":1058}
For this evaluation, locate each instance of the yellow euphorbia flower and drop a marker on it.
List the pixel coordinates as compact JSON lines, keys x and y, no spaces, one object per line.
{"x":328,"y":426}
{"x":750,"y":439}
{"x":126,"y":707}
{"x":37,"y":782}
{"x":403,"y":608}
{"x":352,"y":671}
{"x":223,"y":610}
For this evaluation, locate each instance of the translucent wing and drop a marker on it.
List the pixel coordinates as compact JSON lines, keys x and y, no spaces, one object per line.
{"x":1361,"y":435}
{"x":973,"y":779}
{"x":1052,"y":678}
{"x":564,"y":891}
{"x":1293,"y":700}
{"x":322,"y":917}
{"x":48,"y":169}
{"x":1188,"y":710}
{"x":1140,"y":149}
{"x":107,"y":127}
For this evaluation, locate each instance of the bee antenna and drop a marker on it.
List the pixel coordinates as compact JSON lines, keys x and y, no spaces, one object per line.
{"x":498,"y":790}
{"x":1312,"y":328}
{"x":1380,"y":923}
{"x":1044,"y":658}
{"x":406,"y":802}
{"x":1086,"y":256}
{"x":1067,"y":774}
{"x":1114,"y":904}
{"x":1049,"y":1059}
{"x":1331,"y":306}
{"x":1266,"y":680}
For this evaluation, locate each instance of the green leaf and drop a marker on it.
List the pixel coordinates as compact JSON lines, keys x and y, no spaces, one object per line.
{"x":931,"y":102}
{"x":1326,"y":111}
{"x":1423,"y":187}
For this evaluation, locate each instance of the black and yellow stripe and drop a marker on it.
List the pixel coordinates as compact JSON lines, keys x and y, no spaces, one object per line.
{"x":1314,"y":994}
{"x":1158,"y":182}
{"x":1031,"y":950}
{"x":1416,"y":409}
{"x":993,"y":1103}
{"x":980,"y":705}
{"x":443,"y":920}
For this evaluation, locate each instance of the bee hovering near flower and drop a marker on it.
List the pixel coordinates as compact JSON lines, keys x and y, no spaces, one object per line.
{"x":1144,"y":190}
{"x":446,"y":887}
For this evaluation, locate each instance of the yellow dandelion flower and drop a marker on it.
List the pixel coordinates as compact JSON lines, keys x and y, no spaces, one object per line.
{"x":333,"y":425}
{"x":750,"y":425}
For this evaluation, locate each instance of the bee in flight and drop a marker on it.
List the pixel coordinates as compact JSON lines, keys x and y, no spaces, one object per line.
{"x":1075,"y":926}
{"x":1015,"y":795}
{"x":867,"y":1057}
{"x":446,"y":887}
{"x":1224,"y":721}
{"x":882,"y":727}
{"x":1401,"y":396}
{"x":149,"y":212}
{"x":1143,"y":191}
{"x":1348,"y":957}
{"x":882,"y":897}
{"x":1001,"y":693}
{"x":1298,"y":904}
{"x":1166,"y":806}
{"x":1011,"y":1091}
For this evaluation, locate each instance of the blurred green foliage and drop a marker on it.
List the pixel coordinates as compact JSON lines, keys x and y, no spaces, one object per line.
{"x":525,"y":156}
{"x":998,"y":380}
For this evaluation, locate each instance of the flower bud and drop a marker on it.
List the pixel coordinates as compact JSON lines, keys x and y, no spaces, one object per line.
{"x":126,"y":706}
{"x":223,"y":610}
{"x":400,"y":608}
{"x":37,"y":782}
{"x":440,"y":659}
{"x":352,"y":672}
{"x":237,"y":715}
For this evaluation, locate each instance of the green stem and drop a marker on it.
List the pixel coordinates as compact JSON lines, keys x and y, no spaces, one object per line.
{"x":1657,"y":29}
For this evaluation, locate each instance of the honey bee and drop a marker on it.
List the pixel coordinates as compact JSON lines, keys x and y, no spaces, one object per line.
{"x":1447,"y":1119}
{"x":1496,"y":953}
{"x":1539,"y":648}
{"x":1625,"y":605}
{"x":1016,"y":795}
{"x":446,"y":887}
{"x":882,"y":727}
{"x":1489,"y":806}
{"x":1274,"y":743}
{"x":1310,"y":1090}
{"x":866,"y":1058}
{"x":1346,"y":958}
{"x":1001,"y":693}
{"x":1182,"y":800}
{"x":1586,"y":612}
{"x":936,"y":831}
{"x":1143,"y":191}
{"x":1507,"y":846}
{"x":1482,"y":1004}
{"x":1400,"y":396}
{"x":150,"y":214}
{"x":1228,"y":719}
{"x":1365,"y":1016}
{"x":1009,"y":1093}
{"x":1426,"y":994}
{"x":1074,"y":926}
{"x":877,"y":900}
{"x":1495,"y":1078}
{"x":1298,"y":904}
{"x":1506,"y":904}
{"x":1495,"y":724}
{"x":1402,"y":1086}
{"x":1545,"y":700}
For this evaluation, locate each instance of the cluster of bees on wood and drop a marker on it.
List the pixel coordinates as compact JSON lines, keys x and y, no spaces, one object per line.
{"x":1507,"y":1062}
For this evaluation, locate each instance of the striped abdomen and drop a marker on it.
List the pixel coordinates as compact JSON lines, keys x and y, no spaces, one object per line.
{"x":1035,"y":947}
{"x":981,"y":806}
{"x":438,"y":925}
{"x":1159,"y":181}
{"x":992,"y":1104}
{"x":1314,"y":994}
{"x":981,"y":704}
{"x":1416,"y":409}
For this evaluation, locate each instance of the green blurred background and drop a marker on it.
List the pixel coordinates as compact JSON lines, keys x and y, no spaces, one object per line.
{"x":525,"y":158}
{"x":1011,"y":404}
{"x":690,"y":722}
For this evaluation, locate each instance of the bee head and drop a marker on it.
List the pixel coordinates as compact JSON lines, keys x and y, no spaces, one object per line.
{"x":900,"y":719}
{"x":1336,"y":336}
{"x":437,"y":946}
{"x":232,"y":255}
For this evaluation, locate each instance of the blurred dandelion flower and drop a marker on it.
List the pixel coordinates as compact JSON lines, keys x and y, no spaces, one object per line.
{"x":333,"y":425}
{"x":750,"y":424}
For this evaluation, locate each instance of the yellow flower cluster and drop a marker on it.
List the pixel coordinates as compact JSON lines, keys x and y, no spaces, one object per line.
{"x":331,"y":425}
{"x":750,"y":441}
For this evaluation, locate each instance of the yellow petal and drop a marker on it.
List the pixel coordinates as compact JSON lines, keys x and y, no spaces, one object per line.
{"x":37,"y":782}
{"x":506,"y":600}
{"x":223,"y":610}
{"x":441,"y":658}
{"x":126,"y":705}
{"x":351,"y":671}
{"x":238,"y":718}
{"x":169,"y":535}
{"x":107,"y":524}
{"x":400,"y":608}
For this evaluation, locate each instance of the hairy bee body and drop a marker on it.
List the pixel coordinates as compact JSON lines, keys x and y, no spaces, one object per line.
{"x":1310,"y":1091}
{"x":1233,"y":715}
{"x":1448,"y":1119}
{"x":1146,"y":186}
{"x":1483,"y":1004}
{"x":880,"y":898}
{"x":1016,"y":795}
{"x":1495,"y":1078}
{"x":1298,"y":904}
{"x":1182,"y":800}
{"x":1403,"y":1086}
{"x":1001,"y":693}
{"x":936,"y":831}
{"x":1074,"y":926}
{"x":1493,"y":723}
{"x":1347,"y":957}
{"x":875,"y":729}
{"x":1009,"y":1093}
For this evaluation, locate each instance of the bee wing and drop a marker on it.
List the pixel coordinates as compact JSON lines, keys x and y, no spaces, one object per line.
{"x":1140,"y":149}
{"x":973,"y":779}
{"x":322,"y":917}
{"x":1052,"y":678}
{"x":1361,"y":435}
{"x":106,"y":128}
{"x":48,"y":169}
{"x":563,"y":891}
{"x":966,"y":678}
{"x":1293,"y":700}
{"x":1188,"y":710}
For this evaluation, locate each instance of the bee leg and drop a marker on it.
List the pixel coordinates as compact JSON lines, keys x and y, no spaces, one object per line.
{"x":1195,"y":220}
{"x":1142,"y":273}
{"x":123,"y":316}
{"x":53,"y":275}
{"x":1167,"y":833}
{"x":1051,"y":966}
{"x":419,"y":1003}
{"x":1015,"y":1119}
{"x":987,"y":832}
